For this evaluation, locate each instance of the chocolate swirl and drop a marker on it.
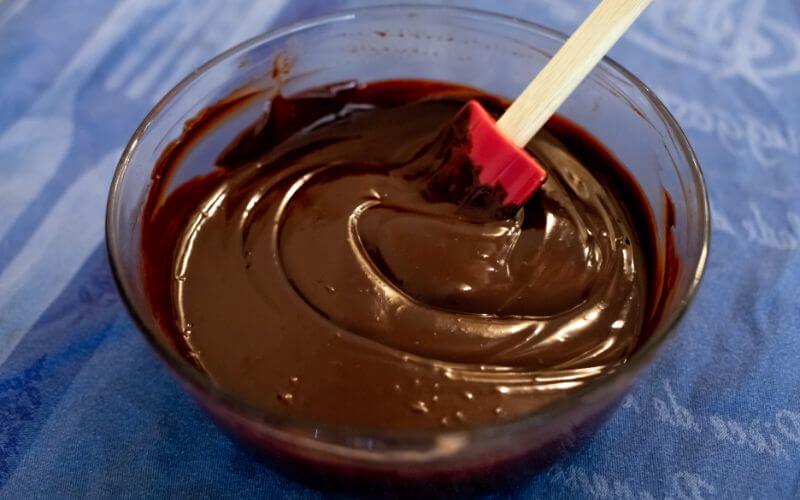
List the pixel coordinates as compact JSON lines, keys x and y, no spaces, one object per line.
{"x":313,"y":274}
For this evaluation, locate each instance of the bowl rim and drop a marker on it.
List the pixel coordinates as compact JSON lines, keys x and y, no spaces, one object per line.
{"x":347,"y":436}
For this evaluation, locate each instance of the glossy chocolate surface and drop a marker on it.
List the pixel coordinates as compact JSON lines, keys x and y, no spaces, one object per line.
{"x":315,"y":271}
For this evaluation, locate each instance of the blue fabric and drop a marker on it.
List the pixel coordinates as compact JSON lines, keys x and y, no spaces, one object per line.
{"x":86,"y":409}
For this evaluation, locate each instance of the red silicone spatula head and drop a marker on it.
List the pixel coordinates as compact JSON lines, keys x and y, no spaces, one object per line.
{"x":498,"y":161}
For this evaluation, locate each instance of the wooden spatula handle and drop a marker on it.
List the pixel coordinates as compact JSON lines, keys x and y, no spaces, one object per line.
{"x":565,"y":71}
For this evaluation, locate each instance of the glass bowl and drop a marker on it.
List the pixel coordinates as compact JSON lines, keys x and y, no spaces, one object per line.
{"x":492,"y":52}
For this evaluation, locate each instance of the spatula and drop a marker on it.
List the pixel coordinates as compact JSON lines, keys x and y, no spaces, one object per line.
{"x":495,"y":149}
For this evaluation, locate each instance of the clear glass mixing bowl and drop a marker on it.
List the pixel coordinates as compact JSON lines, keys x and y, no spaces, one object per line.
{"x":495,"y":53}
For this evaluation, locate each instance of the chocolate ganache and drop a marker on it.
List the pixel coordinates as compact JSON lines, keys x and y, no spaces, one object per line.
{"x":312,"y":272}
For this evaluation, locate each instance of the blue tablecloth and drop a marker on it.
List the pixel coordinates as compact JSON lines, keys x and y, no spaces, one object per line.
{"x":86,"y":409}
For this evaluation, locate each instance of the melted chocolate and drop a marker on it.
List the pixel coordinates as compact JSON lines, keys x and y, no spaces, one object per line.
{"x":313,"y":273}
